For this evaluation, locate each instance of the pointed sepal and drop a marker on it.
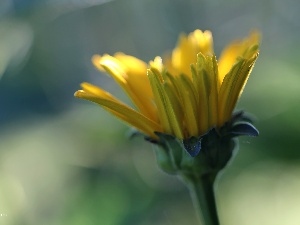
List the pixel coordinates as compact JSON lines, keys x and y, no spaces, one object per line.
{"x":192,"y":145}
{"x":243,"y":128}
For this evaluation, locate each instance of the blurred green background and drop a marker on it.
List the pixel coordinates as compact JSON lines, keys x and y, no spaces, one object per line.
{"x":66,"y":161}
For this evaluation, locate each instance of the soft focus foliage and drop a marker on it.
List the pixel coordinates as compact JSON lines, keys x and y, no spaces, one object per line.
{"x":64,"y":161}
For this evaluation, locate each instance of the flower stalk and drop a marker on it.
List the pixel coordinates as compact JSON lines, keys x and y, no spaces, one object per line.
{"x":202,"y":193}
{"x":198,"y":161}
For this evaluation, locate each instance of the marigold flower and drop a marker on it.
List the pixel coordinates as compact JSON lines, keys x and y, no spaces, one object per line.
{"x":183,"y":95}
{"x":183,"y":104}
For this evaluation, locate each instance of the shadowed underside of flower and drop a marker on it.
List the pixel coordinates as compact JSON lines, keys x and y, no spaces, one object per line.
{"x":183,"y":95}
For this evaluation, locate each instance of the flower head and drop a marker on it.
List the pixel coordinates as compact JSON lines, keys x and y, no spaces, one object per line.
{"x":184,"y":104}
{"x":184,"y":95}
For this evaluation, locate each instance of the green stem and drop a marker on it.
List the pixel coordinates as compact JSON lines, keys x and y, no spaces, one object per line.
{"x":202,"y":193}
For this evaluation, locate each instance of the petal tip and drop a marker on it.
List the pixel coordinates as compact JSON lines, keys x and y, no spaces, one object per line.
{"x":78,"y":93}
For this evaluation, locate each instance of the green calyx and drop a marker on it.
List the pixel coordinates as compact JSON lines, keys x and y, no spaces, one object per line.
{"x":207,"y":154}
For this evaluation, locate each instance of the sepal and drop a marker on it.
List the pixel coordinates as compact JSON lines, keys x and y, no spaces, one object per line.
{"x":163,"y":159}
{"x":240,"y":124}
{"x":173,"y":146}
{"x":192,"y":145}
{"x":243,"y":128}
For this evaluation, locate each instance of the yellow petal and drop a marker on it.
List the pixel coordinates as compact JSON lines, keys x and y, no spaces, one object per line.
{"x":132,"y":65}
{"x":212,"y":70}
{"x":95,"y":90}
{"x":157,"y":63}
{"x":187,"y":49}
{"x":123,"y":112}
{"x":175,"y":83}
{"x":156,"y":84}
{"x":189,"y":102}
{"x":232,"y":87}
{"x":183,"y":55}
{"x":188,"y":97}
{"x":130,"y":74}
{"x":230,"y":54}
{"x":201,"y":82}
{"x":203,"y":41}
{"x":227,"y":59}
{"x":169,"y":103}
{"x":174,"y":110}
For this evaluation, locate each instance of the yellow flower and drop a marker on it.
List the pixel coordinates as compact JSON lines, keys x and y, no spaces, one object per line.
{"x":183,"y":95}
